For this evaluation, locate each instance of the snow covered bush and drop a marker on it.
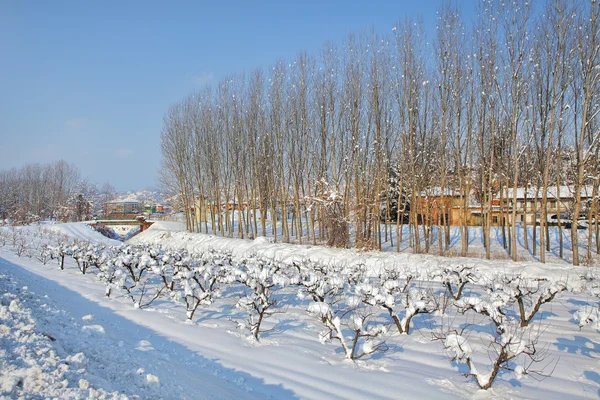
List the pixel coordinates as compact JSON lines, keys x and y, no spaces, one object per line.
{"x":528,"y":293}
{"x":140,"y":278}
{"x":353,"y":325}
{"x":338,"y":303}
{"x":167,"y":267}
{"x":510,"y":345}
{"x":197,"y":279}
{"x":87,"y":254}
{"x":22,"y":246}
{"x":60,"y":251}
{"x":110,"y":274}
{"x":455,"y":278}
{"x":394,"y":294}
{"x":4,"y":237}
{"x":262,"y":278}
{"x":43,"y":253}
{"x":589,"y":314}
{"x":319,"y":282}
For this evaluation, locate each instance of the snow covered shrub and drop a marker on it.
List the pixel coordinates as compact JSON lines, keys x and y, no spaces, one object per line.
{"x":111,"y":275}
{"x":339,"y":305}
{"x":140,"y":279}
{"x":4,"y":237}
{"x":197,"y":279}
{"x":60,"y":251}
{"x":44,"y":252}
{"x":15,"y":236}
{"x":456,"y":277}
{"x":22,"y":247}
{"x":319,"y":282}
{"x":262,"y":278}
{"x":87,"y":254}
{"x":353,"y":325}
{"x":354,"y":273}
{"x":528,"y":293}
{"x":394,"y":294}
{"x":509,"y":344}
{"x":41,"y":233}
{"x":168,"y":261}
{"x":509,"y":347}
{"x":590,"y":314}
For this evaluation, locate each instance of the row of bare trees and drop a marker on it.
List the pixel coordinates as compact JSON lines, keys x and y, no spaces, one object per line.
{"x":37,"y":192}
{"x":350,"y":142}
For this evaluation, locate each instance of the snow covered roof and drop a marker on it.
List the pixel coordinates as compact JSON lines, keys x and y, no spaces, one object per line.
{"x":563,"y":192}
{"x":129,"y":200}
{"x":437,"y":191}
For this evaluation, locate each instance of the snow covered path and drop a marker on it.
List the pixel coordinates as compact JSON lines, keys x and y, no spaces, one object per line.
{"x":212,"y":351}
{"x":123,"y":356}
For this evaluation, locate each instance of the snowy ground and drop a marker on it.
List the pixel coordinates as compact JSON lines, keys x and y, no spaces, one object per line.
{"x":210,"y":358}
{"x":59,"y":342}
{"x":126,"y":231}
{"x":79,"y":230}
{"x":173,"y":235}
{"x":33,"y":361}
{"x":476,"y":243}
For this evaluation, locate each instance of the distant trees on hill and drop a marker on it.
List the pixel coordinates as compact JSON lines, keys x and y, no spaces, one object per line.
{"x":329,"y":145}
{"x":37,"y":192}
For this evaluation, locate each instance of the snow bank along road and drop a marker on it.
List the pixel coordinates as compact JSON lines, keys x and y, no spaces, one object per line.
{"x":56,"y":343}
{"x":115,"y":350}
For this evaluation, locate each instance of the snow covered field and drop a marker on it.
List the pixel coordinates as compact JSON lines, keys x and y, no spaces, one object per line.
{"x":476,"y":242}
{"x":174,"y":236}
{"x":154,"y":353}
{"x":78,"y":230}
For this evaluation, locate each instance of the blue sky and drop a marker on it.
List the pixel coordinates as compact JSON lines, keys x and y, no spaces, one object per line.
{"x":89,"y":82}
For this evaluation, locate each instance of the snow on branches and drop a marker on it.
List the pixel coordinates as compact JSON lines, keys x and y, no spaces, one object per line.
{"x":528,"y":293}
{"x":358,"y":307}
{"x":506,"y":332}
{"x":261,"y":278}
{"x":354,"y":326}
{"x":397,"y":294}
{"x":197,"y":280}
{"x":590,"y":314}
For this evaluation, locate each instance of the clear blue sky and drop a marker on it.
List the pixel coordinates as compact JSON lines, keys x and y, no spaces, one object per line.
{"x":89,"y":82}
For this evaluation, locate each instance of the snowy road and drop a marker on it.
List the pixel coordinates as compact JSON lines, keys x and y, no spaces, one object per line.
{"x":121,"y":355}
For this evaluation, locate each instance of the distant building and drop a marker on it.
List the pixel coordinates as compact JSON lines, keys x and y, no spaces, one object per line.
{"x":122,"y":207}
{"x":435,"y":207}
{"x":431,"y":208}
{"x":560,"y":202}
{"x":149,"y":208}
